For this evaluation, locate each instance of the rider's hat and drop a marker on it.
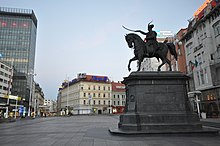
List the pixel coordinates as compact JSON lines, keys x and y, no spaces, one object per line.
{"x":150,"y":25}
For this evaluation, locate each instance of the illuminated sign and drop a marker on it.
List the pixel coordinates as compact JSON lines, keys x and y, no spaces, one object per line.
{"x":201,"y":8}
{"x":164,"y":33}
{"x":95,"y":78}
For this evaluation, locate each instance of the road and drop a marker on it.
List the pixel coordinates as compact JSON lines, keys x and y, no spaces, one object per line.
{"x":86,"y":131}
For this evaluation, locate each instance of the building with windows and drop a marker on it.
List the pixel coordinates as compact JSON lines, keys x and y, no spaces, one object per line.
{"x":38,"y":100}
{"x":118,"y":97}
{"x":202,"y":49}
{"x":180,"y":63}
{"x":49,"y":108}
{"x":86,"y":94}
{"x":6,"y":74}
{"x":18,"y":30}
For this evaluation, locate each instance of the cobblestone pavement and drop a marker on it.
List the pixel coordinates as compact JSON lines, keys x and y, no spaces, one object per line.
{"x":86,"y":131}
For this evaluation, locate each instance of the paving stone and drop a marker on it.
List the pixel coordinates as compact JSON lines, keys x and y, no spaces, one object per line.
{"x":86,"y":131}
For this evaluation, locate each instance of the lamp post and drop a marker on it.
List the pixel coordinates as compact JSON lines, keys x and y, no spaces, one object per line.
{"x":197,"y":100}
{"x":30,"y":96}
{"x":67,"y":101}
{"x":16,"y":107}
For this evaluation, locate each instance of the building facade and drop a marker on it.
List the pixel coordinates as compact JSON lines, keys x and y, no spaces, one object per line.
{"x":87,"y":94}
{"x":202,"y":44}
{"x":50,"y":107}
{"x":90,"y":94}
{"x":180,"y":63}
{"x":18,"y":30}
{"x":118,"y":98}
{"x":6,"y":74}
{"x":38,"y":100}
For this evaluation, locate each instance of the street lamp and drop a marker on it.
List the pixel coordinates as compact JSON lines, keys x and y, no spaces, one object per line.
{"x":67,"y":101}
{"x":67,"y":96}
{"x":196,"y":93}
{"x":31,"y":88}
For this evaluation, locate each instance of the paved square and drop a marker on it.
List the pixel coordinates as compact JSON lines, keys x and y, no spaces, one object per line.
{"x":86,"y":131}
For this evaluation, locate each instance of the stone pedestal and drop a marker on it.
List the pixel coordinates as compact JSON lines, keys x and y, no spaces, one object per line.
{"x":157,"y":102}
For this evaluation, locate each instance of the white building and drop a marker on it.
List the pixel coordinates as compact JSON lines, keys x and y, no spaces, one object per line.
{"x":6,"y":74}
{"x":202,"y":44}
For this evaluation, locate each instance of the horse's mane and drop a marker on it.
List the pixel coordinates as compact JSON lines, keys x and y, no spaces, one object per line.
{"x":136,"y":36}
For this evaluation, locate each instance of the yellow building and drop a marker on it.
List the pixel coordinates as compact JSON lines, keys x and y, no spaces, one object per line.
{"x":86,"y":94}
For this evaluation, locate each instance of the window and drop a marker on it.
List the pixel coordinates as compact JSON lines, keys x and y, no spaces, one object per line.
{"x":104,"y":95}
{"x":198,"y":78}
{"x":206,"y":75}
{"x":93,"y":94}
{"x":202,"y":76}
{"x":93,"y":102}
{"x":203,"y":59}
{"x":84,"y":101}
{"x":84,"y":94}
{"x":104,"y":102}
{"x":199,"y":59}
{"x":189,"y":48}
{"x":114,"y":102}
{"x":216,"y":28}
{"x":99,"y":102}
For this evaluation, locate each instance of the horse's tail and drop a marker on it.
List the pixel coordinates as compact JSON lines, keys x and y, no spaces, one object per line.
{"x":172,"y":49}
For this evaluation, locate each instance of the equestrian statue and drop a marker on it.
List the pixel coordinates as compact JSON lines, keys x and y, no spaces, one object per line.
{"x":149,"y":47}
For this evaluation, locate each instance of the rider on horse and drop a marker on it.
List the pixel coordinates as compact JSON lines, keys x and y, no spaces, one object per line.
{"x":151,"y":39}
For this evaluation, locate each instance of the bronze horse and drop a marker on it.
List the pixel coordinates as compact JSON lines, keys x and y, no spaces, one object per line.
{"x":141,"y":51}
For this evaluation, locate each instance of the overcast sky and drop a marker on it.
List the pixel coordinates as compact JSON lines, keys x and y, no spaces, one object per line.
{"x":86,"y":36}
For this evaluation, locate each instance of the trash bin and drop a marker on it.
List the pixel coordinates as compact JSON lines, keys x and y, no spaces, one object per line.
{"x":203,"y":115}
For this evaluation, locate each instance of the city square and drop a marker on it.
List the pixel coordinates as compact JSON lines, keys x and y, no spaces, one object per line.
{"x":88,"y":130}
{"x":105,"y":73}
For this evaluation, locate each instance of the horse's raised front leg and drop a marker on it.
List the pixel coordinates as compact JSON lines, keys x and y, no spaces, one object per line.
{"x":132,"y":59}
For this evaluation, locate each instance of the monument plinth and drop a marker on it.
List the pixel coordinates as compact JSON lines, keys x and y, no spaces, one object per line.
{"x":157,"y":102}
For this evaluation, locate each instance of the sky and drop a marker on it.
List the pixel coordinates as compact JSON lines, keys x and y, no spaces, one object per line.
{"x":86,"y":36}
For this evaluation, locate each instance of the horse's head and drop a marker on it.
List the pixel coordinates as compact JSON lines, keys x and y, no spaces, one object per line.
{"x":130,"y":40}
